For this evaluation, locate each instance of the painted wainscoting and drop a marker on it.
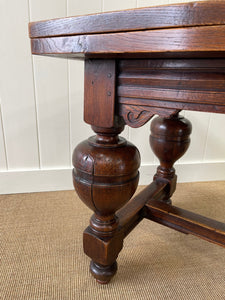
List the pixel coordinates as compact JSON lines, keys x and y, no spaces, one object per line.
{"x":41,"y":108}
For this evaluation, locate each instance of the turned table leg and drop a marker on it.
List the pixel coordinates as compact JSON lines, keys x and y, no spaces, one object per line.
{"x":169,"y":141}
{"x":105,"y":177}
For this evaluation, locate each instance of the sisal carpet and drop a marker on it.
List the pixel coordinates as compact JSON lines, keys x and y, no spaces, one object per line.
{"x":42,"y":257}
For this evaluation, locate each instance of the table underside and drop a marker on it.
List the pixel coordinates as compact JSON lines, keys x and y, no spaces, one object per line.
{"x":145,"y":87}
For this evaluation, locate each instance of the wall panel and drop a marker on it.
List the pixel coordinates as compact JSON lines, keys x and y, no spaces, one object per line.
{"x":200,"y":124}
{"x":109,"y":5}
{"x":3,"y":159}
{"x":47,"y":9}
{"x":143,"y":3}
{"x":16,"y":87}
{"x":215,"y":144}
{"x":51,"y":87}
{"x":77,"y":7}
{"x":140,"y":137}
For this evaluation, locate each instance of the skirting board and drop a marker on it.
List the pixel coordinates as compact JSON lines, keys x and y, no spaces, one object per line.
{"x":12,"y":182}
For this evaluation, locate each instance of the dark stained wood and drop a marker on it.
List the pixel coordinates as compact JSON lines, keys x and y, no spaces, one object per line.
{"x":99,"y":92}
{"x":99,"y":170}
{"x":131,"y":214}
{"x":169,"y":140}
{"x":153,"y":84}
{"x":209,"y":40}
{"x":102,"y":273}
{"x":180,"y":74}
{"x":169,"y":104}
{"x":137,"y":115}
{"x":146,"y":66}
{"x":138,"y":63}
{"x":178,"y":95}
{"x":183,"y":220}
{"x":166,"y":16}
{"x":105,"y":177}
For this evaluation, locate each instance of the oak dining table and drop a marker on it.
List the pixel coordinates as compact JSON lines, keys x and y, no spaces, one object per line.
{"x":139,"y":63}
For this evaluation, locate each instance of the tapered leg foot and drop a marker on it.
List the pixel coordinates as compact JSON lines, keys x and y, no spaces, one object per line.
{"x":103,"y":274}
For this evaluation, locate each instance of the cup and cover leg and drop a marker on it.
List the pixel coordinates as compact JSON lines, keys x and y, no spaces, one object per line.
{"x":105,"y":177}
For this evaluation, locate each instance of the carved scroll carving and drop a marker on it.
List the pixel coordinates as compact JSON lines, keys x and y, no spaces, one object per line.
{"x":137,"y":115}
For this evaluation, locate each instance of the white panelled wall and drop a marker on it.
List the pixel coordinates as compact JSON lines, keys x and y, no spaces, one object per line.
{"x":41,"y":107}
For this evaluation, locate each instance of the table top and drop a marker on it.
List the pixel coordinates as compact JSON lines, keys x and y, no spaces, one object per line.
{"x":195,"y":29}
{"x":181,"y":47}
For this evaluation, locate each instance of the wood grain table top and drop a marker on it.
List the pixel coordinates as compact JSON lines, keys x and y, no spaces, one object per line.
{"x":193,"y":29}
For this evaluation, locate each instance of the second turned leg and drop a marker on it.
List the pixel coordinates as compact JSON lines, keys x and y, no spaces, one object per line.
{"x":169,"y":140}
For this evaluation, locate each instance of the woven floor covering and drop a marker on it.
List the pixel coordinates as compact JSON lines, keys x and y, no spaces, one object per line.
{"x":42,"y":256}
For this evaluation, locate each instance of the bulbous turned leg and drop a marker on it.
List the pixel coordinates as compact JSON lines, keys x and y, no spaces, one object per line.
{"x":169,"y":141}
{"x":105,"y":177}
